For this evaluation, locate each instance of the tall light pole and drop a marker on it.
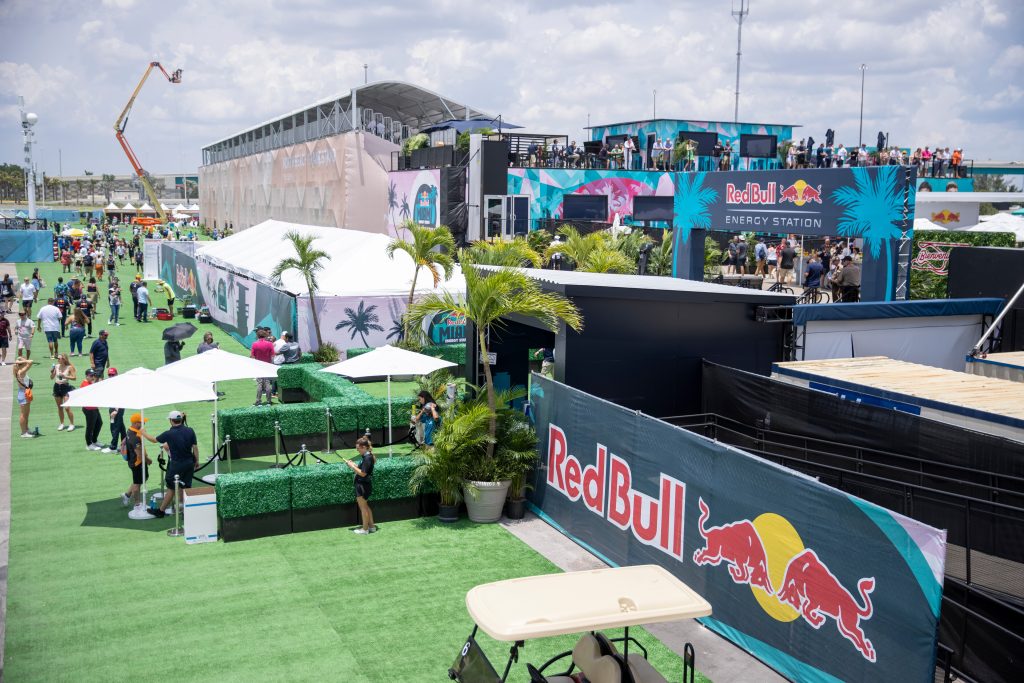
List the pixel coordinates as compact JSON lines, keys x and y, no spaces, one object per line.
{"x":860,"y":132}
{"x":366,"y":74}
{"x":28,"y":120}
{"x":739,"y":14}
{"x":654,"y":115}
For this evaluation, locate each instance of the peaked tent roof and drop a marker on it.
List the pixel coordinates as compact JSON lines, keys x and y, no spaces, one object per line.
{"x":146,"y":207}
{"x":358,"y":266}
{"x":111,"y":207}
{"x":128,"y":207}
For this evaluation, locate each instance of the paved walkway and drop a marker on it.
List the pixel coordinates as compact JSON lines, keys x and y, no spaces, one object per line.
{"x":6,"y":401}
{"x":716,"y":657}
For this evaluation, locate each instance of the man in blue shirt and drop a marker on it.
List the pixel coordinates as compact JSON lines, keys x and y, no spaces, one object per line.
{"x":180,"y":442}
{"x":812,"y":274}
{"x":99,"y":355}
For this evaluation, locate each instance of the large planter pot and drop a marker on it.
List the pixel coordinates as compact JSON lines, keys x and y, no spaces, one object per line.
{"x":515,"y":509}
{"x":448,"y":514}
{"x":485,"y":499}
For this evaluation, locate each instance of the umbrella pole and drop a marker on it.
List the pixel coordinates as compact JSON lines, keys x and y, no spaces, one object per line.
{"x":390,"y":440}
{"x":216,"y":473}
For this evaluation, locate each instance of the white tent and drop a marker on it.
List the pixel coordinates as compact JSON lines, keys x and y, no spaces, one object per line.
{"x":128,"y":207}
{"x":194,"y":207}
{"x":146,"y":207}
{"x":1000,"y":226}
{"x":925,"y":224}
{"x":163,"y":207}
{"x":180,"y":207}
{"x":111,"y":207}
{"x":388,"y":361}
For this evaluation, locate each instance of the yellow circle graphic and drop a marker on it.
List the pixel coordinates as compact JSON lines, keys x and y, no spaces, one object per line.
{"x":781,"y":544}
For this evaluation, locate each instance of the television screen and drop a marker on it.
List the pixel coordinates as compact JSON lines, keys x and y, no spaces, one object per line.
{"x":653,"y":208}
{"x":585,"y":207}
{"x":761,"y":146}
{"x":705,"y":141}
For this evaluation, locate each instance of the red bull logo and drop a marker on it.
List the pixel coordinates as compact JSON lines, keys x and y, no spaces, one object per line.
{"x":945,"y":216}
{"x":751,"y":193}
{"x":185,"y":279}
{"x":791,"y":581}
{"x":800,"y":193}
{"x":606,"y":488}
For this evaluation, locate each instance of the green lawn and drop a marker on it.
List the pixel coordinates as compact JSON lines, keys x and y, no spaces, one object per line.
{"x":94,"y":596}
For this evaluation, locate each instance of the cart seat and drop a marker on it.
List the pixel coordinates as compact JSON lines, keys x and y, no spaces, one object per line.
{"x":639,"y":667}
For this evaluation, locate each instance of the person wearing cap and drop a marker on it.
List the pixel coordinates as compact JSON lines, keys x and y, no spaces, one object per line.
{"x":99,"y":355}
{"x":180,"y":442}
{"x":142,"y":294}
{"x":133,"y":453}
{"x":133,"y":289}
{"x":93,"y":421}
{"x":849,"y":281}
{"x":117,"y":430}
{"x":170,"y":295}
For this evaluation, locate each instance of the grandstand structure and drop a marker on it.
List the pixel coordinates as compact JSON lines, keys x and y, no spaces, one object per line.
{"x":324,"y":164}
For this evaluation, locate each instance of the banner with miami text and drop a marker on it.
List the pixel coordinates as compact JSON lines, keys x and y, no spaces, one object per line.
{"x":820,"y":585}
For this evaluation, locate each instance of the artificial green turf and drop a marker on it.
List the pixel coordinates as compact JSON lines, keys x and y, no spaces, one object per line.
{"x":94,"y":596}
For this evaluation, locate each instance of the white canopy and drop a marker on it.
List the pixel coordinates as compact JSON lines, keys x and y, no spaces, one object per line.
{"x":146,"y":207}
{"x":999,"y":226}
{"x":128,"y":207}
{"x":163,"y":207}
{"x":194,"y":207}
{"x":140,"y":389}
{"x":388,"y":361}
{"x":111,"y":207}
{"x":218,"y":366}
{"x":182,"y":216}
{"x":180,"y":207}
{"x":358,"y":265}
{"x":925,"y":224}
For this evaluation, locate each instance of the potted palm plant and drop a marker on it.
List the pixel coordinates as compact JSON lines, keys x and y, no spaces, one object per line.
{"x":517,"y":449}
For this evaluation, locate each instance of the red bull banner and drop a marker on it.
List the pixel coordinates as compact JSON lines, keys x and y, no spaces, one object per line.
{"x":820,"y":585}
{"x":873,"y":204}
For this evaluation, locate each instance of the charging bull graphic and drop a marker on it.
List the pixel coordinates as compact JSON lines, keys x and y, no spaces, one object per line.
{"x":737,"y":544}
{"x":814,"y":590}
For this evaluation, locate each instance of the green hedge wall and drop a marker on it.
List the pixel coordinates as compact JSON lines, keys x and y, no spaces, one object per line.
{"x":253,"y":493}
{"x":351,"y":407}
{"x":927,"y":285}
{"x":275,"y":490}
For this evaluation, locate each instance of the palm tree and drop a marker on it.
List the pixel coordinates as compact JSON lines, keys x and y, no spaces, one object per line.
{"x":494,"y":296}
{"x":574,"y":246}
{"x":513,"y":253}
{"x":361,"y":321}
{"x":309,"y":262}
{"x":660,"y":259}
{"x":606,"y":260}
{"x":108,"y":185}
{"x":692,"y":204}
{"x":392,"y":200}
{"x":429,"y":248}
{"x":874,"y":211}
{"x":397,"y":331}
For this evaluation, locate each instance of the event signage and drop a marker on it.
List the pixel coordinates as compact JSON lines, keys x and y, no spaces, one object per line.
{"x":819,"y":584}
{"x":934,"y":256}
{"x":447,"y":327}
{"x":873,"y":204}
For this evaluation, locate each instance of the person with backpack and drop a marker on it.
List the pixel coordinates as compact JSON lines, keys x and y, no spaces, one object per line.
{"x":131,"y":450}
{"x":761,"y":254}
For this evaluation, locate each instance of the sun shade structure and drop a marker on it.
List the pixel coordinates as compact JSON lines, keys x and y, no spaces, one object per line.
{"x":388,"y":361}
{"x":573,"y":602}
{"x":215,"y":366}
{"x":139,"y":389}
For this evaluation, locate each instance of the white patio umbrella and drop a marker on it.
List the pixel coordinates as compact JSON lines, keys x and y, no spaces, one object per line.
{"x":215,"y":366}
{"x":139,"y":389}
{"x":388,"y":361}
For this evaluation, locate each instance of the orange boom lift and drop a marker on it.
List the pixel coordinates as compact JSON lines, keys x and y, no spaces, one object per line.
{"x":122,"y":123}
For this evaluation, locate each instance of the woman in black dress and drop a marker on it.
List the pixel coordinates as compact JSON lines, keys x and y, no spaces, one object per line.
{"x":364,"y":483}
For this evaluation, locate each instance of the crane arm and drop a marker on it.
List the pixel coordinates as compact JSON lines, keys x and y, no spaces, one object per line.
{"x":121,"y":123}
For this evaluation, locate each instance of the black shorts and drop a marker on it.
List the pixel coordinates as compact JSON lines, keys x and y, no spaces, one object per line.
{"x":61,"y":390}
{"x":137,"y":474}
{"x":184,"y":470}
{"x":364,"y":489}
{"x":4,"y":342}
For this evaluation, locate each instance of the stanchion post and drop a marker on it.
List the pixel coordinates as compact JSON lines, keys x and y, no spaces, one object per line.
{"x":176,"y":530}
{"x":302,"y":453}
{"x":213,"y":438}
{"x":328,"y":449}
{"x":277,"y":444}
{"x":227,"y":449}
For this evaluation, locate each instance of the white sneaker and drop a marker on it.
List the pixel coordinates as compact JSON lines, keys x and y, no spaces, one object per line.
{"x":360,"y":531}
{"x":125,"y":500}
{"x":93,"y":447}
{"x":71,"y":428}
{"x":60,"y":428}
{"x":27,"y":435}
{"x":105,"y":449}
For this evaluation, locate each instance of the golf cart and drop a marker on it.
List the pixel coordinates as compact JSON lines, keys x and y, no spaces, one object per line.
{"x":584,"y":602}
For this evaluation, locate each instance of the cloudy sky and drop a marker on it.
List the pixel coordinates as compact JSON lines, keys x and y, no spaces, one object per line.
{"x":947,"y":72}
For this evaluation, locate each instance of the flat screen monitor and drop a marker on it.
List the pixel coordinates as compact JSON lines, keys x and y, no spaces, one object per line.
{"x":760,"y":146}
{"x":585,"y":207}
{"x":705,"y":141}
{"x":653,"y":208}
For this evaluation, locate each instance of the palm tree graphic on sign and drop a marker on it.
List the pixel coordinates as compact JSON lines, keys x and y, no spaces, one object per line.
{"x":874,"y":211}
{"x":397,"y":331}
{"x":404,"y":212}
{"x":392,"y":201}
{"x":361,"y":321}
{"x":692,"y":209}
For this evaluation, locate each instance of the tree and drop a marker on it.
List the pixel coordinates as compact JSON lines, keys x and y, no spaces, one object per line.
{"x":514,"y":253}
{"x":429,"y":248}
{"x":992,"y":183}
{"x":660,"y":259}
{"x":361,"y":321}
{"x":607,"y":260}
{"x":574,"y":246}
{"x":488,"y":299}
{"x":309,"y":262}
{"x":108,"y":185}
